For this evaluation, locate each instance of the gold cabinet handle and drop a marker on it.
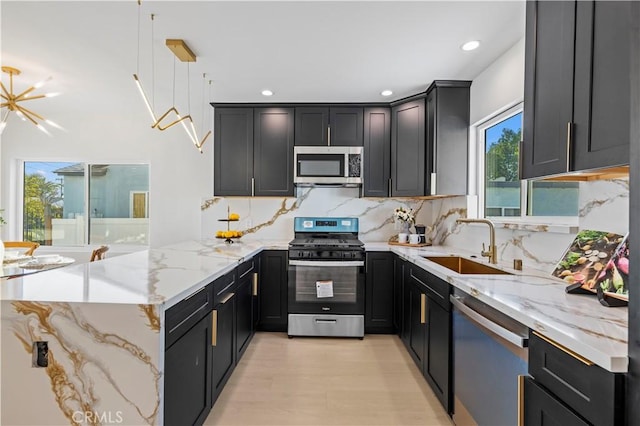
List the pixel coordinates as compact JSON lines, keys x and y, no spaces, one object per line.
{"x":226,"y":298}
{"x":329,"y":135}
{"x":255,"y":284}
{"x":423,"y":308}
{"x":214,"y":327}
{"x":565,"y":349}
{"x":521,"y":400}
{"x":253,"y":186}
{"x":569,"y":128}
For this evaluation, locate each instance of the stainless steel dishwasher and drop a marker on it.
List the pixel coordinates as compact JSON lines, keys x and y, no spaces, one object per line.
{"x":490,"y":351}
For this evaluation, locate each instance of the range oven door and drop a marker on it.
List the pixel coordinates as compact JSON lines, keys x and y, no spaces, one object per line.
{"x":326,"y":287}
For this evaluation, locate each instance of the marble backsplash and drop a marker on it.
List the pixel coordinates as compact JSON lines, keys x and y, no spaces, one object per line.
{"x":603,"y":205}
{"x":272,"y":217}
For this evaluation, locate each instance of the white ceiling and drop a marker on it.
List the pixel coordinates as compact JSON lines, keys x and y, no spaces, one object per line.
{"x":326,"y":51}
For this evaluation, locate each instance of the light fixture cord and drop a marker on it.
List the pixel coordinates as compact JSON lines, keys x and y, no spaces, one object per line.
{"x":203,"y":105}
{"x":174,"y":81}
{"x":153,"y":68}
{"x":188,"y":89}
{"x":138,"y":57}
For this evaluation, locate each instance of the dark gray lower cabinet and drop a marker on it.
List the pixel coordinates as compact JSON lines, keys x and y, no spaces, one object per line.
{"x":223,"y":344}
{"x":379,"y":290}
{"x":426,"y":329}
{"x":542,"y":408}
{"x":188,"y":363}
{"x":187,"y":377}
{"x":398,"y":283}
{"x":273,"y":291}
{"x":244,"y":306}
{"x":594,"y":393}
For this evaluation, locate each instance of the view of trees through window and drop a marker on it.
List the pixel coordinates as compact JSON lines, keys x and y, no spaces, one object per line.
{"x":75,"y":203}
{"x":503,"y":188}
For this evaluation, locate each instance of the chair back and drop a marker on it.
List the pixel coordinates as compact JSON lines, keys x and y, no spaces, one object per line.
{"x":28,"y":245}
{"x":98,"y":254}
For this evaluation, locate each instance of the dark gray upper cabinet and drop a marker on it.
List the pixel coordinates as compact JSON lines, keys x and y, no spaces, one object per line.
{"x":377,"y":151}
{"x":602,"y":85}
{"x":346,"y":126}
{"x":408,"y":149}
{"x":548,"y":88}
{"x":233,"y":151}
{"x":576,"y":112}
{"x":273,"y":151}
{"x":313,"y":124}
{"x":447,"y":137}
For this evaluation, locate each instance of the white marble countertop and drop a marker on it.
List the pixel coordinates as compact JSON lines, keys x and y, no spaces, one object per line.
{"x":538,"y":300}
{"x":166,"y":275}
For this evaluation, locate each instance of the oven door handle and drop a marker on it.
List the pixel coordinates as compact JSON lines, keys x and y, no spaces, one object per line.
{"x":333,"y":263}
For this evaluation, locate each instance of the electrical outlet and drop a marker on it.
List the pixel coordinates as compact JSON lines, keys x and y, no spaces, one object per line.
{"x":40,"y":355}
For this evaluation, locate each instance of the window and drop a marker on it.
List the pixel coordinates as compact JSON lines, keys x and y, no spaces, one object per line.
{"x":75,"y":203}
{"x":502,"y":193}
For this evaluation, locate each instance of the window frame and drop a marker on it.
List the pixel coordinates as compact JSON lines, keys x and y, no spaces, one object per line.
{"x":479,"y":145}
{"x":18,"y":196}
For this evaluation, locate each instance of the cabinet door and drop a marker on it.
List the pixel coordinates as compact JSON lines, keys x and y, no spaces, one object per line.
{"x":450,"y":135}
{"x":379,"y":291}
{"x":398,"y":281}
{"x":542,"y":408}
{"x":312,"y":126}
{"x":233,"y":151}
{"x":602,"y":84}
{"x":407,"y":149}
{"x":223,"y":344}
{"x":273,"y":151}
{"x":244,"y":313}
{"x":417,"y":324}
{"x":430,"y":142}
{"x":377,"y":151}
{"x":273,"y":291}
{"x":346,"y":126}
{"x":437,"y":368}
{"x":187,"y":376}
{"x":548,"y":89}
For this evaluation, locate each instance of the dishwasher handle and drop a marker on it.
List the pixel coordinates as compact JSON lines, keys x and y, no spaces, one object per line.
{"x":508,"y":335}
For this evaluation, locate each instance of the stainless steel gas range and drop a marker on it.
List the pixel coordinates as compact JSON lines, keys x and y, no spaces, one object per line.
{"x":326,"y":278}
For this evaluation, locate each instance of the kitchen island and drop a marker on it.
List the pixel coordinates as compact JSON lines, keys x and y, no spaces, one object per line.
{"x":104,"y":324}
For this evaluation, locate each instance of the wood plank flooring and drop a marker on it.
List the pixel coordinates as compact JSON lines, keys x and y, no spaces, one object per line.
{"x":327,"y":381}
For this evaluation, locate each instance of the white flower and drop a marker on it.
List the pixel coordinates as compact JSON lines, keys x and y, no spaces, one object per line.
{"x":403,"y":215}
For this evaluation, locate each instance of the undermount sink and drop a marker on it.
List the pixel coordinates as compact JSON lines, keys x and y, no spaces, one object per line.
{"x":465,"y":266}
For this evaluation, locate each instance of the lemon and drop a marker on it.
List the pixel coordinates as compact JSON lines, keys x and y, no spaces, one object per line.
{"x":234,"y":216}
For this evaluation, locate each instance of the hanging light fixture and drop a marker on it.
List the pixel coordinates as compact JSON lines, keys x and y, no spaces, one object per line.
{"x":13,"y":102}
{"x":181,"y":51}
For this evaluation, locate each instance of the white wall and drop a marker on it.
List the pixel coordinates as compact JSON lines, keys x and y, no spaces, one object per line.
{"x":105,"y":132}
{"x":499,"y":85}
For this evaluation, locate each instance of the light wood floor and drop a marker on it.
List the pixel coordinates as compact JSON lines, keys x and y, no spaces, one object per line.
{"x":327,"y":381}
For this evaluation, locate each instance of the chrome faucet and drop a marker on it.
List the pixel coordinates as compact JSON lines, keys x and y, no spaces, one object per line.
{"x":492,"y":253}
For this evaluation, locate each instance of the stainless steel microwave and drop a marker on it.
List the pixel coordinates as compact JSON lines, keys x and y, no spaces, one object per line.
{"x":327,"y":165}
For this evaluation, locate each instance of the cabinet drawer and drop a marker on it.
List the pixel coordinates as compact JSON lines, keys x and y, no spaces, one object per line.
{"x":542,"y":408}
{"x":595,"y":393}
{"x":247,"y":267}
{"x":435,"y":288}
{"x":181,"y":317}
{"x":223,"y":285}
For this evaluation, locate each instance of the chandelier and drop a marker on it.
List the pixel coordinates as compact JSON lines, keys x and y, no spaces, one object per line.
{"x":14,"y":102}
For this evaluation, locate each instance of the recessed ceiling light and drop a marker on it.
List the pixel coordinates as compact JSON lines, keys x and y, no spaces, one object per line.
{"x":470,"y":45}
{"x":386,"y":93}
{"x":267,"y":92}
